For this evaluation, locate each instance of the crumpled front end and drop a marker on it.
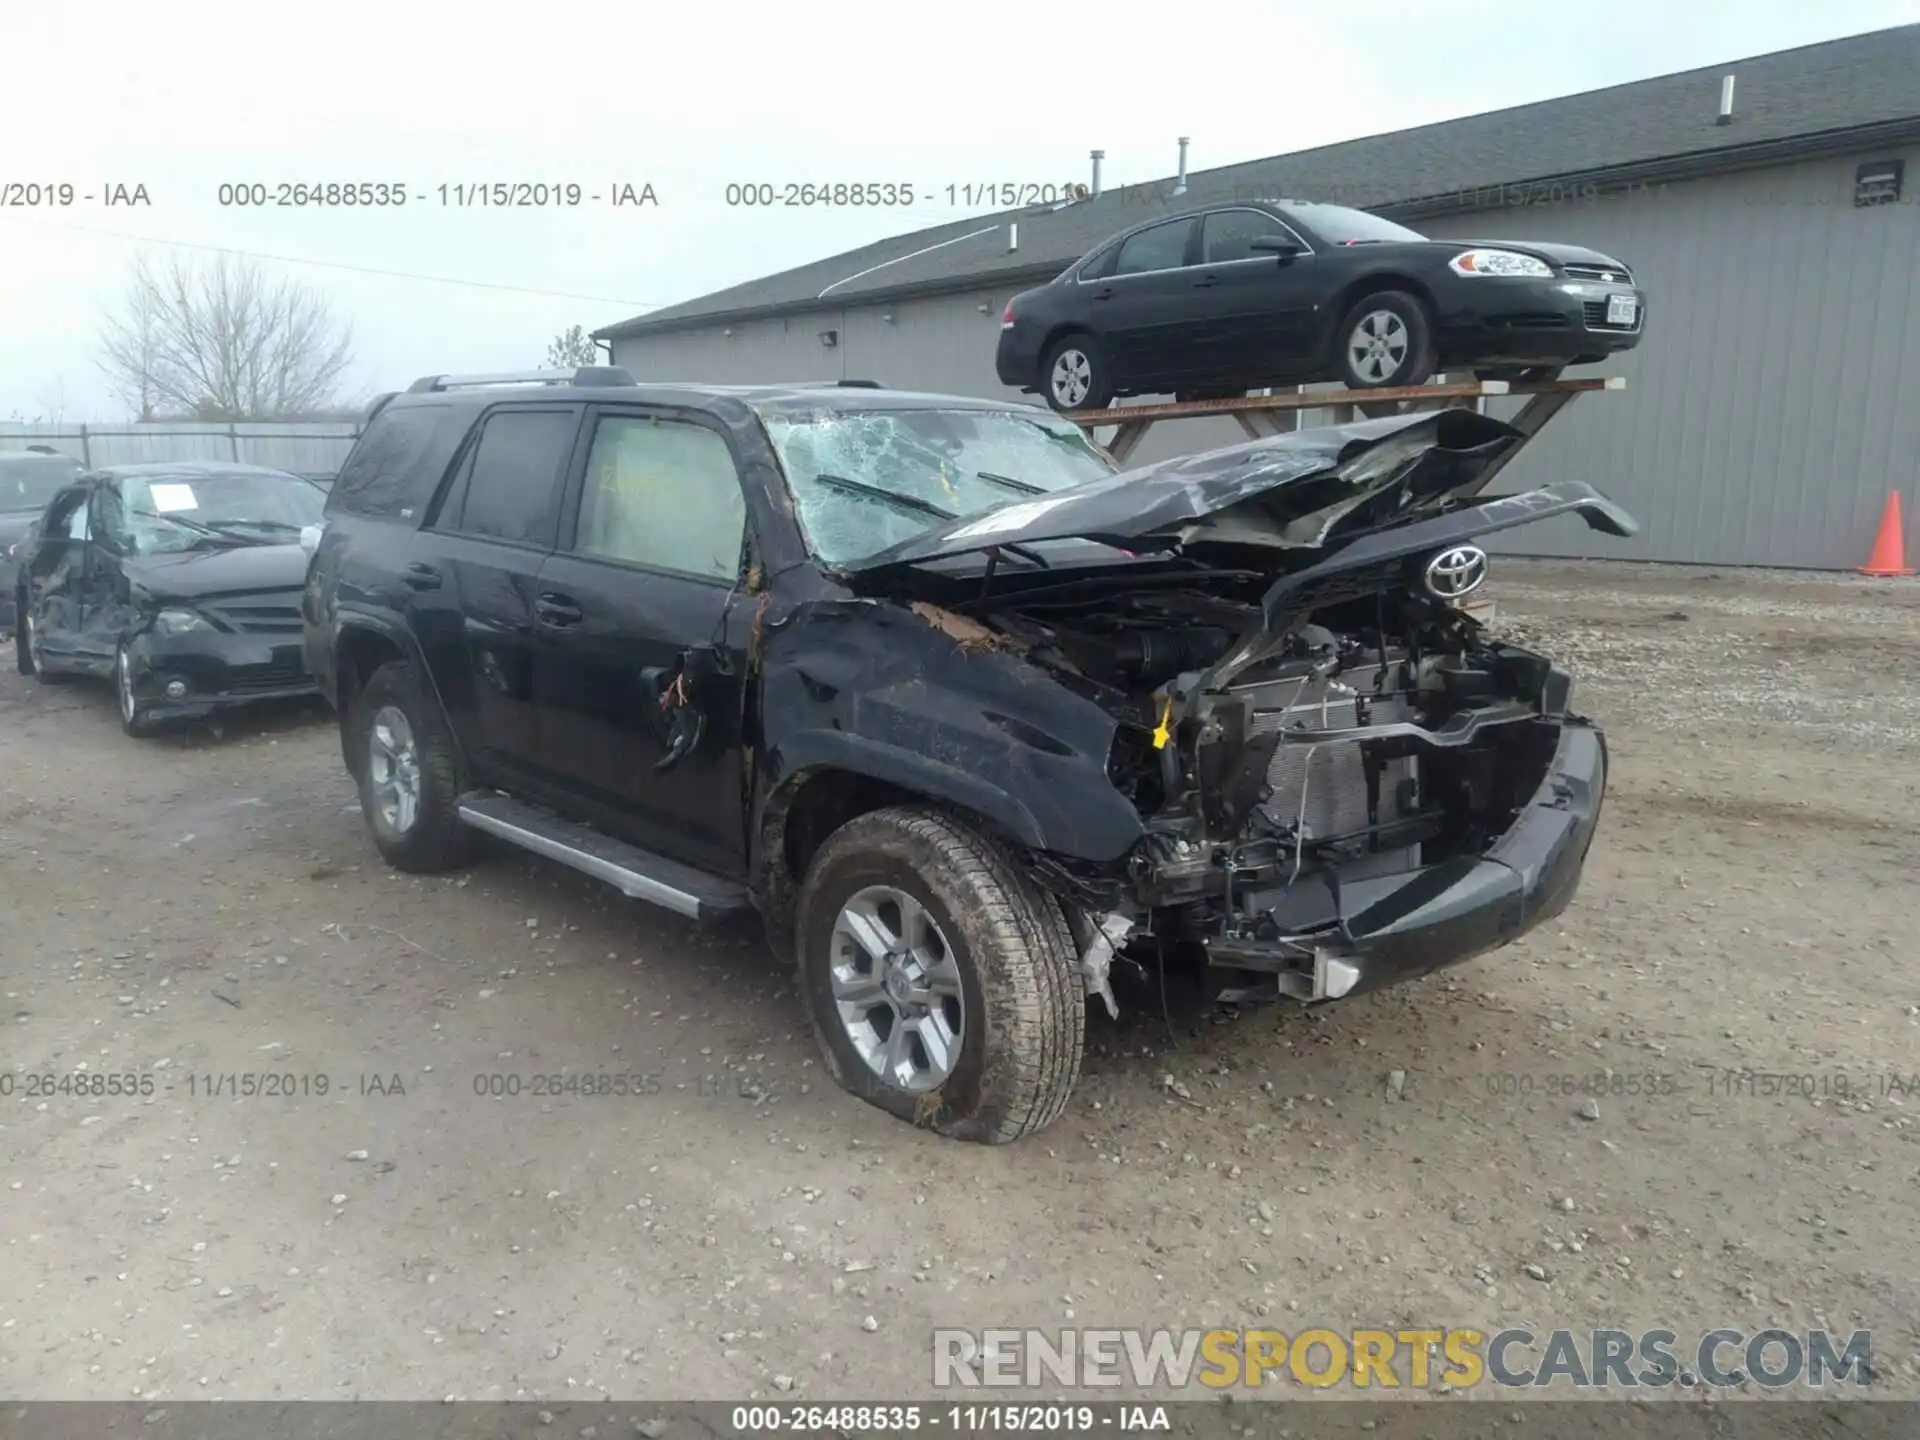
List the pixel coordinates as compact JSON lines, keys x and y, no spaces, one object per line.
{"x":1340,"y":778}
{"x":1371,"y":813}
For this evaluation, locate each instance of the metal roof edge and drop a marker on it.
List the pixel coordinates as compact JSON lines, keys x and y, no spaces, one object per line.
{"x":1686,"y":165}
{"x":814,"y":304}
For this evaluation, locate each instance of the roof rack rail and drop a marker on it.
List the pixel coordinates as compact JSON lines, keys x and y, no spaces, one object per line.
{"x":860,"y":384}
{"x":586,"y":377}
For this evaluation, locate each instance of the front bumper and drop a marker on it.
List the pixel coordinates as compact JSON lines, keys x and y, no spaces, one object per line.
{"x":1492,"y":321}
{"x":215,"y":671}
{"x":1368,"y":934}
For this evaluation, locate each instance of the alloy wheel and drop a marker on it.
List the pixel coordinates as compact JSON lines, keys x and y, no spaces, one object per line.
{"x":33,"y":645}
{"x":393,"y":770}
{"x":896,"y":987}
{"x":1378,"y":345}
{"x":1072,"y":377}
{"x":123,"y":687}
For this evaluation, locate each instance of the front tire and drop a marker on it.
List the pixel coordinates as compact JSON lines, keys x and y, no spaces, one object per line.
{"x":403,"y":758}
{"x":1074,"y":375}
{"x":942,"y":983}
{"x":1385,"y":341}
{"x":134,"y":717}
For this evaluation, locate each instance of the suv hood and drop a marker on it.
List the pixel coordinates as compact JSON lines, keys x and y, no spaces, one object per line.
{"x":1289,"y":492}
{"x":192,"y":574}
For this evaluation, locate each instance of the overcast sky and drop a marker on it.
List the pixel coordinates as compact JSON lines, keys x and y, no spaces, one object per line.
{"x":181,"y":98}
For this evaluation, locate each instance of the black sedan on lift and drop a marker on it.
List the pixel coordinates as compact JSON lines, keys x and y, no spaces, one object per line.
{"x":181,"y":581}
{"x":1219,"y":301}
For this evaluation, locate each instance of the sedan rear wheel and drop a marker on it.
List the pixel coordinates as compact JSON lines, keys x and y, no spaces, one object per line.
{"x":1074,"y":375}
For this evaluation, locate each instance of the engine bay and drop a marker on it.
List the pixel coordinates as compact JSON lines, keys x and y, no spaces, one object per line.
{"x":1365,"y":737}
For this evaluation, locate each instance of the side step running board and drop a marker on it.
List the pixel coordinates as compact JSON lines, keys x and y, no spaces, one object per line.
{"x":629,"y":869}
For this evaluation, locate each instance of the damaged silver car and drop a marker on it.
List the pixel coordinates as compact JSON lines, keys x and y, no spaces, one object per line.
{"x":966,"y":716}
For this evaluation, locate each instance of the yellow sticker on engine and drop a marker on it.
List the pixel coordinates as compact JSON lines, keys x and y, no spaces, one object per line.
{"x":1163,"y":732}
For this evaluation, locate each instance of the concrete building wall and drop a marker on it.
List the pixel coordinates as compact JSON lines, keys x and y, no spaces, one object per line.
{"x":1773,"y":405}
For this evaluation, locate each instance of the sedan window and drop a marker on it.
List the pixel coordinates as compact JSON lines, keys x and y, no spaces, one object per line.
{"x":1229,"y":235}
{"x":1159,"y":247}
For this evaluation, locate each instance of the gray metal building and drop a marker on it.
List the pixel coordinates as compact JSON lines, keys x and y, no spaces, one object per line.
{"x":1767,"y":205}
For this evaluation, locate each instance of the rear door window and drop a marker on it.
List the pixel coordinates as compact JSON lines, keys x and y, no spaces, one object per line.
{"x":398,"y":461}
{"x":509,"y":487}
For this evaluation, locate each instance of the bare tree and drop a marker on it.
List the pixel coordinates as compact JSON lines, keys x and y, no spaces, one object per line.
{"x":130,"y":352}
{"x":219,"y":340}
{"x":572,"y":348}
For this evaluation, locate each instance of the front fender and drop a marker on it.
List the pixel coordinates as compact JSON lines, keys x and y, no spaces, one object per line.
{"x":874,"y":689}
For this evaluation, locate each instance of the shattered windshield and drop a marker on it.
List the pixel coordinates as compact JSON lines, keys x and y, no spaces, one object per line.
{"x":197,"y":509}
{"x":863,"y":480}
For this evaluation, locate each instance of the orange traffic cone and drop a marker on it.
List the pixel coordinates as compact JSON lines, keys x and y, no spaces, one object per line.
{"x":1889,"y":547}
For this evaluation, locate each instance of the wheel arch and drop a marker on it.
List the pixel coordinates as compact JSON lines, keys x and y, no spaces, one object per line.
{"x":1374,"y":283}
{"x":362,"y":644}
{"x":815,"y":798}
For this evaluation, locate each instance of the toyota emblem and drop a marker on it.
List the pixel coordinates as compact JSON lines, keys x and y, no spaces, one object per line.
{"x":1457,"y":572}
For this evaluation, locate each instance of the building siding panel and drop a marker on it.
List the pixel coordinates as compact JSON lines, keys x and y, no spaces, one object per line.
{"x":1766,"y":415}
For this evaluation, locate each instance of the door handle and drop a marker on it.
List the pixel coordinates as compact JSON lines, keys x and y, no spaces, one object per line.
{"x":1106,"y":294}
{"x":1205,"y":282}
{"x":557,"y":610}
{"x":421,"y":577}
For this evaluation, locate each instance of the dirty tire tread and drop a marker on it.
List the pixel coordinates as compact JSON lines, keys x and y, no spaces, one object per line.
{"x":440,"y":840}
{"x":1039,"y":998}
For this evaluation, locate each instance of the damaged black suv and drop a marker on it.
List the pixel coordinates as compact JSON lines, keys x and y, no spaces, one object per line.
{"x":964,"y":714}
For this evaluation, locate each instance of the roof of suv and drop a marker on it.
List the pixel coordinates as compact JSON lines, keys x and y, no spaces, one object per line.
{"x":610,"y":384}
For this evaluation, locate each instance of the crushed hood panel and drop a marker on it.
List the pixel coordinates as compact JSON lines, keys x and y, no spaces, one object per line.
{"x":1283,"y":492}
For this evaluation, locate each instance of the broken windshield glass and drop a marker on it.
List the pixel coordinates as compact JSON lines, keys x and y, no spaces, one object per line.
{"x":863,"y":480}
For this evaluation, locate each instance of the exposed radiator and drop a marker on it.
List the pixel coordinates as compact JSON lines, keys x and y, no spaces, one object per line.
{"x":1330,"y":776}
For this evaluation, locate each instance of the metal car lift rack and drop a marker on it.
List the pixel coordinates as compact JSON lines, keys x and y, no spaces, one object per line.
{"x":1264,"y":416}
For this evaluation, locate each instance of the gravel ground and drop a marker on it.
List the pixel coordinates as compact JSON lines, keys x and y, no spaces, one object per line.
{"x":209,"y":905}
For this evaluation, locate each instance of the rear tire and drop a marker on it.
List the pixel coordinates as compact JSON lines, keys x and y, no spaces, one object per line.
{"x":402,"y":757}
{"x":1074,"y":374}
{"x":915,"y":925}
{"x":1385,"y":341}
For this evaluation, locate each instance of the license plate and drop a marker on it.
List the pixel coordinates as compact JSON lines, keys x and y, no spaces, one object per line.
{"x":1622,"y":309}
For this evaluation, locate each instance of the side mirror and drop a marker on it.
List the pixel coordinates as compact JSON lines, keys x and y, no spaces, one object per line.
{"x":1282,"y":247}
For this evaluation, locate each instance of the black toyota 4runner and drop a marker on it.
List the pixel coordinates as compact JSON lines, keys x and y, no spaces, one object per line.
{"x":964,"y":714}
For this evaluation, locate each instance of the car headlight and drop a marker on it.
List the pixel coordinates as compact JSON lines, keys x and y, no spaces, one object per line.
{"x":179,"y":622}
{"x":1500,"y":262}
